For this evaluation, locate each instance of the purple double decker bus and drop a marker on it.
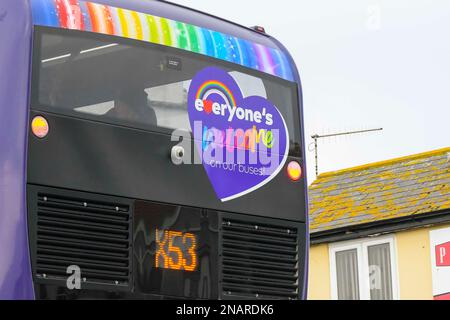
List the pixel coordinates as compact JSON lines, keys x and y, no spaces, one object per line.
{"x":148,"y":151}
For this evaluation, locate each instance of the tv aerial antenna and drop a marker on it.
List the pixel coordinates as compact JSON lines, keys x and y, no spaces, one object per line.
{"x":317,"y":137}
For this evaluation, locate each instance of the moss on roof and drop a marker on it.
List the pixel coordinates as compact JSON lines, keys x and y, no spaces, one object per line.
{"x":401,"y":187}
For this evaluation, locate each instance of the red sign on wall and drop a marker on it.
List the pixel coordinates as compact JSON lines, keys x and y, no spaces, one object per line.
{"x":443,"y":297}
{"x":443,"y":255}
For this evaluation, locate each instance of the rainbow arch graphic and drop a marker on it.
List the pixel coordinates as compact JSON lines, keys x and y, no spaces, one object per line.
{"x":99,"y":18}
{"x":213,"y":85}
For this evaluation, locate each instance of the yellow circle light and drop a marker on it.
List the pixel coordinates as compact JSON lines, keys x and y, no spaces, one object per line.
{"x":39,"y":127}
{"x":294,"y":171}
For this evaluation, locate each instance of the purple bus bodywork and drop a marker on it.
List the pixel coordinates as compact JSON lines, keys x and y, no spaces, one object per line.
{"x":16,"y":30}
{"x":15,"y":34}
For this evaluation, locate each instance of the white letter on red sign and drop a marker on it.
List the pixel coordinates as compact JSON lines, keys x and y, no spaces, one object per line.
{"x":443,"y":254}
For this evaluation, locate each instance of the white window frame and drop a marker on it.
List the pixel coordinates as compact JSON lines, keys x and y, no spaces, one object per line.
{"x":361,"y":247}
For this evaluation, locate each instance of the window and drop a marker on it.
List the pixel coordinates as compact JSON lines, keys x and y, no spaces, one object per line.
{"x":364,"y":270}
{"x":347,"y":274}
{"x":136,"y":84}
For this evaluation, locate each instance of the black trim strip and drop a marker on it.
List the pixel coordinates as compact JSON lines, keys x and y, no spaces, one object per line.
{"x":380,"y":227}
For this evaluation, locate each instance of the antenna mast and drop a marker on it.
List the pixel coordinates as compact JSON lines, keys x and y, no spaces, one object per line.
{"x":316,"y":138}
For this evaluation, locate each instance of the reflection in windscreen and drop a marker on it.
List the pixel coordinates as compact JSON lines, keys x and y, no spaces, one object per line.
{"x":134,"y":84}
{"x":169,"y":102}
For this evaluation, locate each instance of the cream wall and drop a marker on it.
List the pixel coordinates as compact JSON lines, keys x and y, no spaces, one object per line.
{"x":413,"y":264}
{"x":319,"y":273}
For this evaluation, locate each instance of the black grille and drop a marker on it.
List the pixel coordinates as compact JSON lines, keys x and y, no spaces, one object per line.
{"x":259,"y":260}
{"x":93,"y":235}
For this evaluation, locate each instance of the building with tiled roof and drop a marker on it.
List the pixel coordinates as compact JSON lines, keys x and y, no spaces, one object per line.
{"x":386,"y":217}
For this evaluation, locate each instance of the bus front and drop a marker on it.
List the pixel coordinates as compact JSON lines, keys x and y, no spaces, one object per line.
{"x":165,"y":158}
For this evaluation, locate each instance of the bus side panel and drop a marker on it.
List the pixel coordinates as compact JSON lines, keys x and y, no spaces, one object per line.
{"x":15,"y":36}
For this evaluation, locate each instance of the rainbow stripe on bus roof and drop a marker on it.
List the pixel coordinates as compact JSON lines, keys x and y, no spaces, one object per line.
{"x":99,"y":18}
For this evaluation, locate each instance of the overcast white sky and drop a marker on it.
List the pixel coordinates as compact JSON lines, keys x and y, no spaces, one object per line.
{"x":364,"y":64}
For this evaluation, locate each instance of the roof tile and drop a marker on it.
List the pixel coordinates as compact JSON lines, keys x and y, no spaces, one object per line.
{"x":386,"y":190}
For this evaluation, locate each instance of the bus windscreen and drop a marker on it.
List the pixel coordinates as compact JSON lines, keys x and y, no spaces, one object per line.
{"x":138,"y":85}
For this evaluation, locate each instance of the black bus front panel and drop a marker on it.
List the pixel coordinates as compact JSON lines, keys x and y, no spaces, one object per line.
{"x":92,"y":246}
{"x":100,"y":158}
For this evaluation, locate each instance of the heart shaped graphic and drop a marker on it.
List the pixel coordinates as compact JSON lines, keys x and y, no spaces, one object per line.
{"x":207,"y":104}
{"x":243,"y":142}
